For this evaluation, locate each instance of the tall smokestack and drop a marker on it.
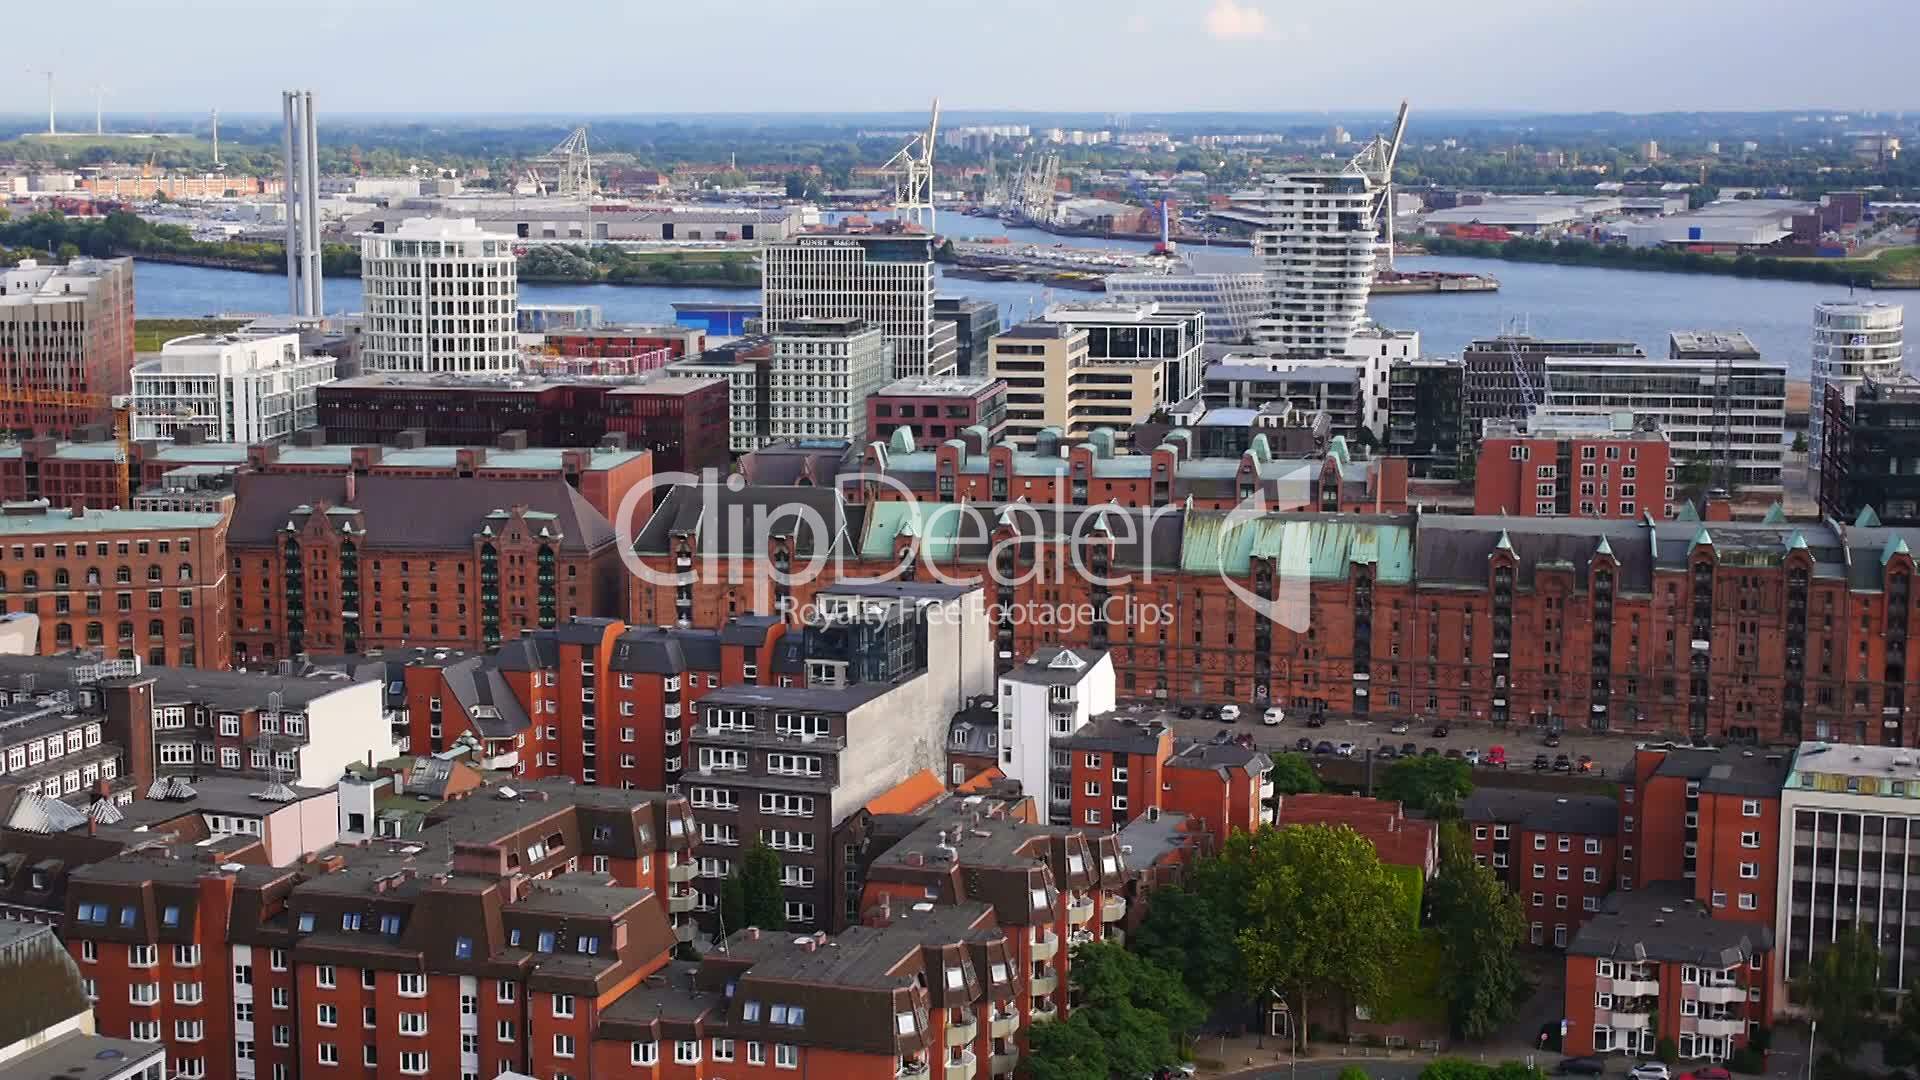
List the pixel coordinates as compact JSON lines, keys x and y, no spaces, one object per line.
{"x":316,"y":299}
{"x":288,"y":103}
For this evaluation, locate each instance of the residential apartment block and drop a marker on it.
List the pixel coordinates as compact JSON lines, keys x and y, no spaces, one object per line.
{"x":822,"y":375}
{"x":1558,"y":853}
{"x":244,"y":388}
{"x":1572,"y":465}
{"x":66,"y":343}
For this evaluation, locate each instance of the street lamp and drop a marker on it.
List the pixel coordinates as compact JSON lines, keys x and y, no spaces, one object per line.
{"x":1813,"y":1032}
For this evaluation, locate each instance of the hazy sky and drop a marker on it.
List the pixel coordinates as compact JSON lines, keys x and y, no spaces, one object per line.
{"x":620,"y":56}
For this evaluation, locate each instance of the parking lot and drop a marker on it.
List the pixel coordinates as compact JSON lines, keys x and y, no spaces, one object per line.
{"x":1612,"y":756}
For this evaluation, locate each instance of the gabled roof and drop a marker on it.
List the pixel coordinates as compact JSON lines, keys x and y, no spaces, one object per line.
{"x":413,"y":512}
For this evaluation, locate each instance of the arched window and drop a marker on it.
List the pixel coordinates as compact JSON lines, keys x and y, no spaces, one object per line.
{"x":186,"y":628}
{"x":156,"y":630}
{"x":30,"y":580}
{"x":3,"y":581}
{"x":96,"y":633}
{"x":126,"y":633}
{"x":63,"y":635}
{"x":186,"y":572}
{"x":93,"y":575}
{"x":60,"y":579}
{"x":122,"y":576}
{"x":153,"y":575}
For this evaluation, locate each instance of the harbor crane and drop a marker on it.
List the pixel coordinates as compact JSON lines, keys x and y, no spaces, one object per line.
{"x":912,"y":171}
{"x":1375,"y":161}
{"x":572,"y":163}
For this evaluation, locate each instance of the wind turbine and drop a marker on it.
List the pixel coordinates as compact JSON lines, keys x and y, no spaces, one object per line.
{"x":49,"y":75}
{"x":100,"y":92}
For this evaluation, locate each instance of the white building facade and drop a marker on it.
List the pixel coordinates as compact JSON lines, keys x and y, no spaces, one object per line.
{"x":1851,"y":342}
{"x":1316,"y":239}
{"x":1234,"y":302}
{"x":231,"y":387}
{"x":441,"y":295}
{"x":885,"y":279}
{"x":1052,"y":694}
{"x":1680,"y":395}
{"x":822,"y":373}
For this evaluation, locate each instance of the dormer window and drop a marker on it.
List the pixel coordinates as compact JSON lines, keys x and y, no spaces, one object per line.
{"x":305,"y":923}
{"x":171,"y":916}
{"x":463,"y":948}
{"x":546,"y":942}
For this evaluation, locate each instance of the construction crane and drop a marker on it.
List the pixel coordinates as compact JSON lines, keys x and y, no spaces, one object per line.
{"x":1032,"y":191}
{"x":120,"y":405}
{"x":572,"y":163}
{"x":912,"y":171}
{"x":1375,"y":161}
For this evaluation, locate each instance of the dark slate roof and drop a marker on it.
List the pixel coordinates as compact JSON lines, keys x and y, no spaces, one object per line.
{"x":1728,"y":772}
{"x":412,"y":511}
{"x":1039,"y":668}
{"x":748,"y":630}
{"x":483,"y":694}
{"x":1115,"y":735}
{"x":238,"y":690}
{"x":1663,"y":922}
{"x":1456,"y":549}
{"x":1542,"y":811}
{"x":968,"y":732}
{"x":799,"y":511}
{"x":788,"y":463}
{"x":1225,"y":755}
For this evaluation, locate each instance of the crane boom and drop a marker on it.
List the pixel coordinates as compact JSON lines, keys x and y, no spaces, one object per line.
{"x":120,"y":406}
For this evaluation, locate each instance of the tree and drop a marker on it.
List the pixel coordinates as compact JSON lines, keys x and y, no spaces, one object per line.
{"x":1320,"y":915}
{"x":763,"y":899}
{"x":1066,"y":1050}
{"x":1187,"y":932}
{"x":1139,"y":1009}
{"x":1480,"y":925}
{"x":1842,"y":987}
{"x":1293,"y":774}
{"x":1352,"y":1072}
{"x":1799,"y":442}
{"x":1695,"y":473}
{"x":1433,"y":785}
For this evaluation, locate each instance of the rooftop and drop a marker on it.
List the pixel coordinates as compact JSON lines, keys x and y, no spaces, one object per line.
{"x":78,"y":1056}
{"x":941,"y":386}
{"x":1057,"y":666}
{"x":1663,"y":923}
{"x":1728,"y":771}
{"x":36,"y":518}
{"x":1620,"y":425}
{"x":1851,"y":765}
{"x":1040,"y":330}
{"x":1542,"y":811}
{"x":1730,"y":343}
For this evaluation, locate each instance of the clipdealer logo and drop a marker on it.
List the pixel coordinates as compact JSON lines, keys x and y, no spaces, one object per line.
{"x":733,"y":538}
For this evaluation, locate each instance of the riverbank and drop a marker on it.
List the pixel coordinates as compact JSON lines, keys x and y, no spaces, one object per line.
{"x":1895,"y":270}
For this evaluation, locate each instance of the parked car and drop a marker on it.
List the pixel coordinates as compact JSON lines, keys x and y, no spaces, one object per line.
{"x":1541,"y":763}
{"x":1386,"y":752}
{"x":1345,"y":749}
{"x":1430,"y":751}
{"x":1472,"y":756}
{"x":1584,"y":764}
{"x":1454,"y":753}
{"x":1496,"y":757}
{"x":1274,"y":715}
{"x":1186,"y":712}
{"x":1562,"y":763}
{"x":1650,"y":1070}
{"x":1408,"y":749}
{"x":1210,"y":712}
{"x":1439,"y":731}
{"x":1316,"y":721}
{"x":1707,"y":1072}
{"x":1399,"y":727}
{"x":1580,"y":1066}
{"x":1323,"y":747}
{"x":1229,"y":714}
{"x":1303,"y":745}
{"x":1552,"y":739}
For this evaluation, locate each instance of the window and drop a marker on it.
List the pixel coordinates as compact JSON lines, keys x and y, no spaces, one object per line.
{"x":188,"y":993}
{"x":1750,"y":840}
{"x":723,"y":1049}
{"x":786,"y":1056}
{"x":505,"y":992}
{"x":1749,"y":902}
{"x":413,"y":1023}
{"x":1590,"y":875}
{"x":323,"y":976}
{"x":563,"y":1005}
{"x":756,"y":1054}
{"x":1566,"y":843}
{"x":1540,"y":871}
{"x":643,"y":1053}
{"x":686,"y":1052}
{"x":413,"y":1062}
{"x":1592,"y":846}
{"x":144,"y":993}
{"x":503,"y":1031}
{"x":1749,"y":871}
{"x":413,"y":985}
{"x":328,"y":1016}
{"x":1750,"y":808}
{"x":563,"y":1046}
{"x":1719,"y":899}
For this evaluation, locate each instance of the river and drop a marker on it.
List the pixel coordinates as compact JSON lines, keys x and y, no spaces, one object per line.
{"x":1549,"y":301}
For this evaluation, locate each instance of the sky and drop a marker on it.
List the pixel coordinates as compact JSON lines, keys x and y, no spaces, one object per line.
{"x":600,"y":57}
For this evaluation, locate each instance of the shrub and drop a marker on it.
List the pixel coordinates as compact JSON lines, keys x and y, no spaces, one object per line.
{"x":1748,"y":1060}
{"x":1667,"y":1051}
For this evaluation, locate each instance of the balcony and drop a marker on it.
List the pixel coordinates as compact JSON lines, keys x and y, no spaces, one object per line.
{"x":1636,"y":988}
{"x":1714,"y":1029}
{"x":1113,"y":908}
{"x":682,"y":872}
{"x":1625,"y":1021}
{"x":912,"y":1068}
{"x":962,"y":1034}
{"x":1004,"y":1064}
{"x":1044,"y":1012}
{"x":1080,"y":910}
{"x":682,"y":902}
{"x":1076,"y":938}
{"x":1004,"y":1026}
{"x":1044,"y":985}
{"x":1047,"y":948}
{"x":508,"y":760}
{"x":1723,"y":995}
{"x":962,"y":1066}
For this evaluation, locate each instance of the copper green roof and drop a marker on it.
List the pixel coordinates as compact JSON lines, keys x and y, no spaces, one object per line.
{"x":1867,"y":519}
{"x":1321,"y":547}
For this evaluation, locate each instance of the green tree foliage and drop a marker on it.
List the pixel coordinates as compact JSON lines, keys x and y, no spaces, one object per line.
{"x":1066,"y":1050}
{"x":1130,"y":1021}
{"x":763,"y":898}
{"x":1352,"y":1072}
{"x":1480,"y":925}
{"x":1799,"y":442}
{"x":1188,"y":933}
{"x":1433,"y":785}
{"x":1674,"y":260}
{"x":1842,"y":988}
{"x":1293,"y":774}
{"x":1452,"y":1068}
{"x":1319,"y":915}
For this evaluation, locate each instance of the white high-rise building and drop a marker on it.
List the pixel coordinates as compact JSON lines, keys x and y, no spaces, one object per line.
{"x":884,"y":278}
{"x":1316,"y":237}
{"x":1045,"y":698}
{"x":240,"y":388}
{"x":1851,"y":342}
{"x":822,"y":373}
{"x":442,"y":295}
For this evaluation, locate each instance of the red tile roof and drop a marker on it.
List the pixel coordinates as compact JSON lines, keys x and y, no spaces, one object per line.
{"x":909,"y":795}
